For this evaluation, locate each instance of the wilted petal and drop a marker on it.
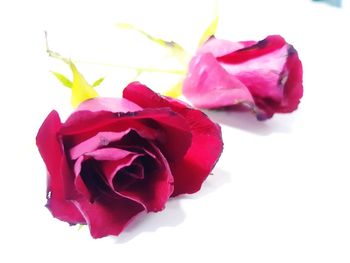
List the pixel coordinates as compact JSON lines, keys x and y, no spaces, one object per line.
{"x":292,"y":75}
{"x":269,"y":70}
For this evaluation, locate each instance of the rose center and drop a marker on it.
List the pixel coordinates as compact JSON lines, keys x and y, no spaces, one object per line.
{"x":129,"y":175}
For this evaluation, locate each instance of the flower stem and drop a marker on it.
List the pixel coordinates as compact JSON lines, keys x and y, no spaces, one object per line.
{"x":56,"y":55}
{"x":138,"y":69}
{"x":52,"y":53}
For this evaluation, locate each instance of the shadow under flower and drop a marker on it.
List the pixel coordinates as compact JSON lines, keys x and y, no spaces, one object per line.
{"x":173,"y":215}
{"x":247,"y":121}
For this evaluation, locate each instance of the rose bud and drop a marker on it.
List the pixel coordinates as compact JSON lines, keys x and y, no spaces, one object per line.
{"x":113,"y":158}
{"x":264,"y":77}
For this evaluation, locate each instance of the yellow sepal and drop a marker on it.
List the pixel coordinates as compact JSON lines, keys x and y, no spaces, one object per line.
{"x":81,"y":89}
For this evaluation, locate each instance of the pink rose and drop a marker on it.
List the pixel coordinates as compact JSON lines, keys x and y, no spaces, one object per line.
{"x":264,"y":77}
{"x":114,"y":158}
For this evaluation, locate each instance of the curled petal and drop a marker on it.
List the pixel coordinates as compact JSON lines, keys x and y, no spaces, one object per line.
{"x":109,"y":215}
{"x":154,"y":190}
{"x":257,"y":49}
{"x":59,"y":181}
{"x":101,"y":139}
{"x":269,"y":73}
{"x":206,"y":146}
{"x":293,"y":87}
{"x":209,"y":85}
{"x":90,"y":168}
{"x":160,"y":123}
{"x":111,"y":168}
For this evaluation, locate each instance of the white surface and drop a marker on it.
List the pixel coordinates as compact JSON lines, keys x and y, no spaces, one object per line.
{"x":280,"y":192}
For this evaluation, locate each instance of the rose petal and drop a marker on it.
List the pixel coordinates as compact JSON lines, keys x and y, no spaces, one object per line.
{"x":108,"y":215}
{"x":101,"y":139}
{"x":261,"y":75}
{"x":208,"y":85}
{"x":110,"y":169}
{"x":270,"y":71}
{"x":92,"y":180}
{"x":220,"y":47}
{"x":163,"y":121}
{"x":293,"y":88}
{"x":260,"y":48}
{"x":206,"y":146}
{"x":89,"y":181}
{"x":274,"y":79}
{"x":108,"y":104}
{"x":105,"y":154}
{"x":156,"y":187}
{"x":52,"y":153}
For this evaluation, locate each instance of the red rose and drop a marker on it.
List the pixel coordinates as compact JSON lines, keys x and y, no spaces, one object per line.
{"x":114,"y":158}
{"x":264,"y":76}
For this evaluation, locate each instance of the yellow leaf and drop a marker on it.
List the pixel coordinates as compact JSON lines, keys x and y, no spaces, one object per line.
{"x":98,"y":82}
{"x":81,"y":90}
{"x":210,"y":31}
{"x":63,"y":79}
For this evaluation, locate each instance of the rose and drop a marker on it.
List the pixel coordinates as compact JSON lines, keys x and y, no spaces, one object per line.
{"x":264,"y":76}
{"x":114,"y":158}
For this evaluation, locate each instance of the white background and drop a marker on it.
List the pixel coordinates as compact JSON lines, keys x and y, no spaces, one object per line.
{"x":281,"y":191}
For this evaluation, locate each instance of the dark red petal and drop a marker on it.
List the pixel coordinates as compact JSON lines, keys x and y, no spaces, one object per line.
{"x":108,"y":215}
{"x":90,"y":178}
{"x":51,"y":151}
{"x":263,"y":47}
{"x":110,"y":168}
{"x":156,"y":187}
{"x":206,"y":146}
{"x":88,"y":181}
{"x":160,"y":123}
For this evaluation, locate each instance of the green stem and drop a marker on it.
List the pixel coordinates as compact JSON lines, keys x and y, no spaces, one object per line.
{"x":54,"y":54}
{"x":137,"y":69}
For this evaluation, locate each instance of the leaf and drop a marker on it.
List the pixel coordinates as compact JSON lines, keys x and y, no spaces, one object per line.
{"x":81,"y":90}
{"x":98,"y":82}
{"x":210,"y":31}
{"x":63,"y":79}
{"x":175,"y":91}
